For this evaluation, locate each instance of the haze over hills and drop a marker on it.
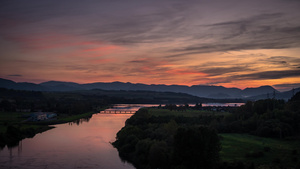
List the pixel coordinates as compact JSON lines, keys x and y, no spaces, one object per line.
{"x":219,"y":92}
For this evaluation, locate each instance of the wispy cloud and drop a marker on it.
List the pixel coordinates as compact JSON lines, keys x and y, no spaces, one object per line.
{"x":224,"y":70}
{"x":285,"y":86}
{"x":269,"y":75}
{"x":264,"y":31}
{"x":15,"y":75}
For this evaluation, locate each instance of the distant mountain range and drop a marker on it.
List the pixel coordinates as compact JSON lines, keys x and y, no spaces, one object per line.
{"x":217,"y":92}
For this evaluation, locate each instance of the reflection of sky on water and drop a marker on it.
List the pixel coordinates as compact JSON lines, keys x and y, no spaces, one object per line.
{"x":70,"y":145}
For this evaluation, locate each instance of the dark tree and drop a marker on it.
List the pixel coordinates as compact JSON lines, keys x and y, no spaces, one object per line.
{"x":196,"y":147}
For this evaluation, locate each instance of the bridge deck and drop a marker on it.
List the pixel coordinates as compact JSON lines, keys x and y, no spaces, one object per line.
{"x":117,"y":112}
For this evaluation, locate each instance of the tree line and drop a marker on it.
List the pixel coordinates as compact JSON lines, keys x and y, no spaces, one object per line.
{"x":184,"y":142}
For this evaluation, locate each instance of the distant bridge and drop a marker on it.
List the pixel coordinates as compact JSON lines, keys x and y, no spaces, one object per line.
{"x":117,"y":112}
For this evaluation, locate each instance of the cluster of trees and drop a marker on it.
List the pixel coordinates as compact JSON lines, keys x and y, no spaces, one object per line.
{"x":59,"y":102}
{"x":266,"y":118}
{"x":171,"y":141}
{"x":166,"y":142}
{"x":63,"y":103}
{"x":198,"y":106}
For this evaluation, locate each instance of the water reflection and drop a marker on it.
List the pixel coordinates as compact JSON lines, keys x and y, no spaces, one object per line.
{"x":70,"y":146}
{"x":19,"y":147}
{"x":80,"y":121}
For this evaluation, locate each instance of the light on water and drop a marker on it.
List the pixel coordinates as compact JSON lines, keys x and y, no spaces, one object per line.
{"x":74,"y":145}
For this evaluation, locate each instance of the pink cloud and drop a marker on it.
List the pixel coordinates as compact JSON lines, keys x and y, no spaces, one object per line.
{"x":102,"y":60}
{"x":54,"y":40}
{"x":104,"y":48}
{"x":37,"y":42}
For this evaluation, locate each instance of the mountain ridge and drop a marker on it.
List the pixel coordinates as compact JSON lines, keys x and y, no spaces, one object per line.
{"x":196,"y":90}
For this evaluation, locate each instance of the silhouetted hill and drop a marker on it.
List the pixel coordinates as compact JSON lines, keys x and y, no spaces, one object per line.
{"x":206,"y":91}
{"x":9,"y":84}
{"x":197,"y":90}
{"x":219,"y":95}
{"x":61,"y":86}
{"x":249,"y":92}
{"x":219,"y":92}
{"x":278,"y":95}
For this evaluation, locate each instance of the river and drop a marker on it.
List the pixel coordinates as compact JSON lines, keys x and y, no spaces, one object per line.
{"x":83,"y":144}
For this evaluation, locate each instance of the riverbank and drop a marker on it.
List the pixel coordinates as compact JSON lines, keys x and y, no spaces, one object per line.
{"x":14,"y":127}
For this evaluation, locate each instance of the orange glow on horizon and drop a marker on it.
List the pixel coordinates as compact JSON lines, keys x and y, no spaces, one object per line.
{"x":185,"y":72}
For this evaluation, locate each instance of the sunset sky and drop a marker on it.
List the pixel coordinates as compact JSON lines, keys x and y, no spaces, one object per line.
{"x":233,"y":43}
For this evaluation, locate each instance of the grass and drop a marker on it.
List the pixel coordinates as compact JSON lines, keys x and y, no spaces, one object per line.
{"x":185,"y":113}
{"x":11,"y":118}
{"x":235,"y":147}
{"x":28,"y":129}
{"x":63,"y":118}
{"x":17,"y":119}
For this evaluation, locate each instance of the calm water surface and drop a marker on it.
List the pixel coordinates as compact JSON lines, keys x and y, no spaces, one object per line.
{"x":75,"y":145}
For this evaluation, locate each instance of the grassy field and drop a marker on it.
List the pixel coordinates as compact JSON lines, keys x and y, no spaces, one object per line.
{"x":64,"y":118}
{"x":185,"y":113}
{"x":247,"y":148}
{"x":18,"y":118}
{"x":14,"y":127}
{"x":10,"y":118}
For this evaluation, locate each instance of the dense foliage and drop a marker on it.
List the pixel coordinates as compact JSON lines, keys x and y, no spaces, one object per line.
{"x":63,"y":103}
{"x":16,"y":108}
{"x":185,"y":137}
{"x":267,"y":118}
{"x":164,"y":142}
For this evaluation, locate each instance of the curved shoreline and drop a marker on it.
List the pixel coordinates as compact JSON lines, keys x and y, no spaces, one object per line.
{"x":17,"y":131}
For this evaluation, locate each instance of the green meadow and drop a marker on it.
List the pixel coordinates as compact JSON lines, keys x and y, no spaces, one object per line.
{"x":19,"y":118}
{"x":259,"y":150}
{"x":10,"y":118}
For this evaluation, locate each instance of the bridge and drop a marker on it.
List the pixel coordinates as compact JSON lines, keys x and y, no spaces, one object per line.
{"x":117,"y":112}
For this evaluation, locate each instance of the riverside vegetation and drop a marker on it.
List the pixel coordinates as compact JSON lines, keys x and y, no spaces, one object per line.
{"x":260,"y":134}
{"x":17,"y":105}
